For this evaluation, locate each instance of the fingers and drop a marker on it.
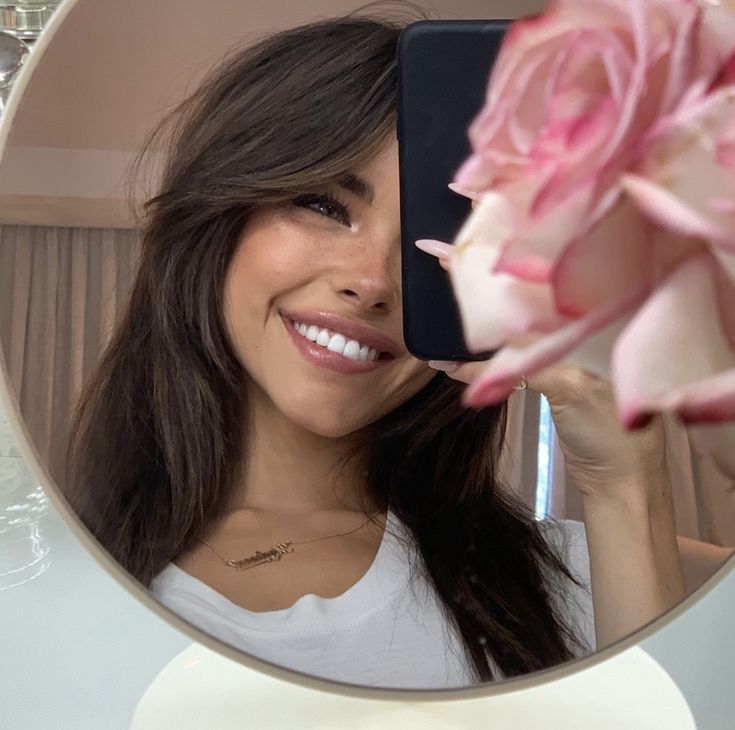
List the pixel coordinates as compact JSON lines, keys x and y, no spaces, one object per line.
{"x":465,"y":193}
{"x":560,"y":382}
{"x":563,"y":382}
{"x":436,"y":248}
{"x":441,"y":250}
{"x":475,"y":197}
{"x":459,"y":370}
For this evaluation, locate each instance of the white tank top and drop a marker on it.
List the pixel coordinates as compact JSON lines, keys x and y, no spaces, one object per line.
{"x":387,"y":630}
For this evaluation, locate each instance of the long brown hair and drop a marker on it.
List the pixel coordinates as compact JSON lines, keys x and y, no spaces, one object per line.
{"x":157,"y":435}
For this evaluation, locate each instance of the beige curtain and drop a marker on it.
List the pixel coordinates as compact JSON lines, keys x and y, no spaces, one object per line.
{"x":60,"y":292}
{"x":704,"y":502}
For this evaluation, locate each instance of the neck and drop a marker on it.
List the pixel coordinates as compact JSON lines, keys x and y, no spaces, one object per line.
{"x":290,"y":470}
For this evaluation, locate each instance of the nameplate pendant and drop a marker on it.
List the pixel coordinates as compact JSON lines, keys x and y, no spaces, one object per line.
{"x":261,"y":558}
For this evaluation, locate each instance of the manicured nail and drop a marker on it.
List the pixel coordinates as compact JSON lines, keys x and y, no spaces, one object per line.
{"x":436,"y":248}
{"x":446,"y":366}
{"x":471,"y":194}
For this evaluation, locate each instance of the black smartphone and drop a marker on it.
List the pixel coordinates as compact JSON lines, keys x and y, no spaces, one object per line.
{"x":443,"y":70}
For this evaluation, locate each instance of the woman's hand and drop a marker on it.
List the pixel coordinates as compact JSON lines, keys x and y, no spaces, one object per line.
{"x":635,"y":567}
{"x":601,"y":457}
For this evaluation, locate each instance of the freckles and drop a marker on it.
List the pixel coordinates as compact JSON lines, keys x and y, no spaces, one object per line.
{"x":284,"y":249}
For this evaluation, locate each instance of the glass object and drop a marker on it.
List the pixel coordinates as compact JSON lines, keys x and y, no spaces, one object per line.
{"x":13,"y":53}
{"x":26,"y":18}
{"x":24,"y":553}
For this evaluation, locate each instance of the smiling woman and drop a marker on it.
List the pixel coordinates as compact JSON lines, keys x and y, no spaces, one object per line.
{"x":332,"y":267}
{"x":259,"y":447}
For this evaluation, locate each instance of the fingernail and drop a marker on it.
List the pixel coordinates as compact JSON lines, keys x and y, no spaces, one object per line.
{"x":436,"y":248}
{"x":446,"y":366}
{"x":471,"y":194}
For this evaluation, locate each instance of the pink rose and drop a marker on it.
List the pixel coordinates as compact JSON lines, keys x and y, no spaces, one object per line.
{"x":573,"y":89}
{"x":606,"y":159}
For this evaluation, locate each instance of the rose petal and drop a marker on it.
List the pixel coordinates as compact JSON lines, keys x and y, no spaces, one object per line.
{"x":601,"y":264}
{"x":683,"y":58}
{"x":533,"y":354}
{"x":539,"y":240}
{"x":718,"y":30}
{"x":711,"y":400}
{"x":531,"y":56}
{"x":636,"y":84}
{"x":725,"y":150}
{"x":669,"y":211}
{"x":525,"y":36}
{"x":726,"y":260}
{"x":675,"y":341}
{"x":494,"y":307}
{"x":722,"y":205}
{"x":726,"y":75}
{"x":680,"y":174}
{"x":724,"y":282}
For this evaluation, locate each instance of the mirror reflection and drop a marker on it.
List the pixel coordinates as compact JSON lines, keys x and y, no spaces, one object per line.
{"x":220,"y":388}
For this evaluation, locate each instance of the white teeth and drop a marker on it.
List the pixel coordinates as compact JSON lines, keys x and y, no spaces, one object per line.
{"x":352,"y":350}
{"x":324,"y":337}
{"x":335,"y":342}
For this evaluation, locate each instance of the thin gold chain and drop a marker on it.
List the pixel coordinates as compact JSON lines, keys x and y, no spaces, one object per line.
{"x":228,"y":561}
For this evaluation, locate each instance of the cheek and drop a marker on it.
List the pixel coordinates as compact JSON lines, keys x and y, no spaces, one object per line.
{"x":270,"y":260}
{"x":334,"y":417}
{"x":270,"y":256}
{"x":414,"y":378}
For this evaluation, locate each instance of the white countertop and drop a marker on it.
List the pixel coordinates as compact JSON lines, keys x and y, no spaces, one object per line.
{"x":76,"y":650}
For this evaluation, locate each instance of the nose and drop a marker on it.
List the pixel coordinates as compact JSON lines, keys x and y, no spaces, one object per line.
{"x":370,"y":277}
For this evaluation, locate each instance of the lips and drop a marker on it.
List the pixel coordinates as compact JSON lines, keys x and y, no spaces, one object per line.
{"x":352,"y":330}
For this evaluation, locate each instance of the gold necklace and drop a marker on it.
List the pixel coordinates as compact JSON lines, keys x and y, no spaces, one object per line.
{"x":260,"y":557}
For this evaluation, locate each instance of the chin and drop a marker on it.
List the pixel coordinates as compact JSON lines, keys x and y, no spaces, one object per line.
{"x":322,"y":417}
{"x":330,"y":426}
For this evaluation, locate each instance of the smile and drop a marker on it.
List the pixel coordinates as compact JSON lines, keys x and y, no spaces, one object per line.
{"x":330,"y":349}
{"x":336,"y":342}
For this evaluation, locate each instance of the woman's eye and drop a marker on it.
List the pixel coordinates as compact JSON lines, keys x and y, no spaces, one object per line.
{"x":327,"y":206}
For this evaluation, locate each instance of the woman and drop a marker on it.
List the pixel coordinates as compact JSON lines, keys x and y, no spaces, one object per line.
{"x":257,"y":407}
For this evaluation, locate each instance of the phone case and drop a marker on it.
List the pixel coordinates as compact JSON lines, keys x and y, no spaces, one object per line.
{"x":443,"y":69}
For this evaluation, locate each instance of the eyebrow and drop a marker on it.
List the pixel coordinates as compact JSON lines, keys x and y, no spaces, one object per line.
{"x":357,"y":186}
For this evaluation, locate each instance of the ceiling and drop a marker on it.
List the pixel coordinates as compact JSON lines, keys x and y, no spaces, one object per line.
{"x":112,"y":70}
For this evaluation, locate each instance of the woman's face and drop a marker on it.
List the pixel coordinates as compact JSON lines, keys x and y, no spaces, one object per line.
{"x":328,"y":265}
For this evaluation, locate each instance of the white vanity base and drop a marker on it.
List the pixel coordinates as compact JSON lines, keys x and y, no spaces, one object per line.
{"x":202,"y":690}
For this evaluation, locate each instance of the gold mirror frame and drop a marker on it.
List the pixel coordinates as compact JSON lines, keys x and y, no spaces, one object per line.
{"x":65,"y":14}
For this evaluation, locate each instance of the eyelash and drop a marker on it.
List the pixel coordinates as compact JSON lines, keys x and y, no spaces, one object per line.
{"x":340,"y":211}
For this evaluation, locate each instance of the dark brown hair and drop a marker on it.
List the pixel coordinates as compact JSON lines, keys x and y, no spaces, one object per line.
{"x":157,"y":435}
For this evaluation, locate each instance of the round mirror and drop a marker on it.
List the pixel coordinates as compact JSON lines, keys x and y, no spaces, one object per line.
{"x":201,"y":328}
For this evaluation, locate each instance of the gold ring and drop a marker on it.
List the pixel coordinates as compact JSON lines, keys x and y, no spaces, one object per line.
{"x":522,"y":384}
